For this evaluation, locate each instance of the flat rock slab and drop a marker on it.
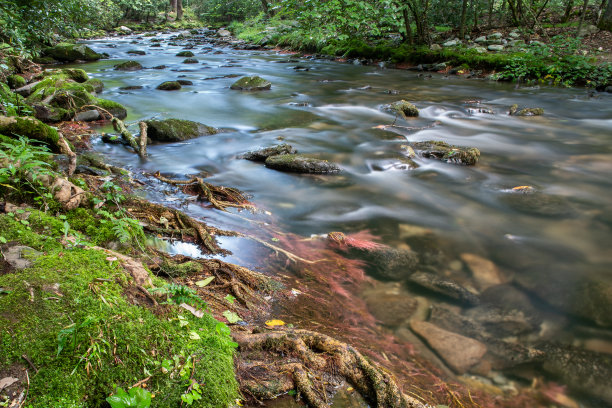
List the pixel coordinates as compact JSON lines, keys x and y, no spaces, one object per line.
{"x":459,"y":352}
{"x":445,"y":287}
{"x":295,"y":163}
{"x":262,"y":154}
{"x":20,"y":256}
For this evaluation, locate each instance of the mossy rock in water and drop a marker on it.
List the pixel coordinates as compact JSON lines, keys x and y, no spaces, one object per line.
{"x":136,"y":52}
{"x":251,"y":83}
{"x":190,"y":61}
{"x":56,"y":334}
{"x":71,"y":52}
{"x":128,"y":66}
{"x":96,"y":84}
{"x":185,"y":54}
{"x":177,"y":130}
{"x":296,"y":163}
{"x":31,"y":128}
{"x":446,"y":152}
{"x":115,"y":108}
{"x":403,"y":108}
{"x":169,"y":86}
{"x":515,"y":111}
{"x":262,"y":154}
{"x":16,"y":81}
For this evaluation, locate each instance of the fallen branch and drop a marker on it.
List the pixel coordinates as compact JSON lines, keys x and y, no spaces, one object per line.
{"x":142,"y":152}
{"x":125,"y":134}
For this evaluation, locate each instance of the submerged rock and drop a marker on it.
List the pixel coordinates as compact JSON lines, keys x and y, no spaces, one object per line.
{"x":296,"y":163}
{"x":177,"y":130}
{"x":389,"y":304}
{"x":459,"y":352}
{"x":390,"y":263}
{"x":251,"y":83}
{"x":445,"y":287}
{"x":485,"y":272}
{"x":169,"y":86}
{"x":403,"y":108}
{"x":446,"y":152}
{"x":128,"y":66}
{"x":71,"y":52}
{"x":137,"y":52}
{"x":262,"y":154}
{"x":582,"y":370}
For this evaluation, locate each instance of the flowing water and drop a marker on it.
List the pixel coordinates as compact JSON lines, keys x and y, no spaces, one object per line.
{"x":552,"y":242}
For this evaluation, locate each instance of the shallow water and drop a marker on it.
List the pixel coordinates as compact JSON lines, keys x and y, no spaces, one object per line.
{"x":560,"y":235}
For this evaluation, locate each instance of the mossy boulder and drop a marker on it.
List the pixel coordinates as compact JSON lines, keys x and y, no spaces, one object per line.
{"x":96,"y":84}
{"x":262,"y":154}
{"x":15,"y":81}
{"x":115,"y":108}
{"x":77,"y":75}
{"x":177,"y":130}
{"x":31,"y":128}
{"x":251,"y":83}
{"x":137,"y":52}
{"x":404,"y":108}
{"x":515,"y":111}
{"x":185,"y":54}
{"x":190,"y":61}
{"x":71,"y":52}
{"x":12,"y":103}
{"x":446,"y":152}
{"x":128,"y":66}
{"x":169,"y":86}
{"x":296,"y":163}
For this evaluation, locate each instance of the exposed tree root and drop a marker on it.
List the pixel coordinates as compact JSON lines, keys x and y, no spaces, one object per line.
{"x":313,"y":356}
{"x":220,"y":197}
{"x":159,"y":218}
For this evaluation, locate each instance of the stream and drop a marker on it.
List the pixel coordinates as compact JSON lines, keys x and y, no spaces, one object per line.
{"x":539,"y":256}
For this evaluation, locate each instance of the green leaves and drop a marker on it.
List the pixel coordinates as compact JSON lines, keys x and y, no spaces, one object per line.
{"x":136,"y":398}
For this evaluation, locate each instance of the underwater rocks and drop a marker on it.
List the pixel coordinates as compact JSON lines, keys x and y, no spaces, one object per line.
{"x":446,"y":152}
{"x":459,"y":352}
{"x":389,"y":303}
{"x":251,"y":83}
{"x":445,"y":287}
{"x":177,"y":130}
{"x":295,"y":163}
{"x":71,"y":52}
{"x":389,"y":263}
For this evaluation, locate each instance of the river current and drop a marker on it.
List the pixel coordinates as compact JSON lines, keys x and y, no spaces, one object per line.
{"x":549,"y":241}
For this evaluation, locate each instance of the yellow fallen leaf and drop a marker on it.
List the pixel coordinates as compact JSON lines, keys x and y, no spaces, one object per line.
{"x":522,"y":188}
{"x":350,"y":389}
{"x":275,"y":322}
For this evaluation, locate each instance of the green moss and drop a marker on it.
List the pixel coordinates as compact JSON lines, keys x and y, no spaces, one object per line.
{"x":13,"y":103}
{"x":84,"y":221}
{"x":96,"y":84}
{"x":169,"y":86}
{"x":77,"y":75}
{"x":185,"y":54}
{"x":15,"y":81}
{"x":404,"y":108}
{"x":176,"y":130}
{"x":31,"y":128}
{"x":448,"y":153}
{"x":251,"y":83}
{"x":174,"y":269}
{"x":113,"y":107}
{"x":112,"y":342}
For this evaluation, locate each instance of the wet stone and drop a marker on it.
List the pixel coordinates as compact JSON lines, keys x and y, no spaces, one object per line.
{"x":87,"y":116}
{"x":262,"y":154}
{"x":403,"y":108}
{"x":445,"y":287}
{"x":136,"y":52}
{"x":502,"y":323}
{"x":296,"y":163}
{"x":251,"y":83}
{"x":485,"y":272}
{"x":169,"y":86}
{"x":184,"y":82}
{"x":131,"y":87}
{"x":185,"y":54}
{"x":459,"y":352}
{"x":190,"y":61}
{"x":451,"y":154}
{"x":176,"y":130}
{"x":390,"y":263}
{"x":389,"y":303}
{"x":128,"y":66}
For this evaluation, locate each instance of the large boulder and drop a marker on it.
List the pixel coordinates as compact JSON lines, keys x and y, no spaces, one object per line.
{"x":31,"y":128}
{"x":296,"y":163}
{"x":177,"y":130}
{"x":251,"y":83}
{"x":71,"y":52}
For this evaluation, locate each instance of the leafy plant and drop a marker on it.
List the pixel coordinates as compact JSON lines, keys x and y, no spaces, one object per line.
{"x":178,"y":294}
{"x":135,"y":398}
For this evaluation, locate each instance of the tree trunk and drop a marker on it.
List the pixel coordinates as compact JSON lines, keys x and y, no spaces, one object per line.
{"x":605,"y":23}
{"x":173,"y":5}
{"x":475,"y":9}
{"x":490,"y":20}
{"x":464,"y":5}
{"x":568,"y":11}
{"x":179,"y":9}
{"x":264,"y":5}
{"x":584,"y":10}
{"x":407,"y":26}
